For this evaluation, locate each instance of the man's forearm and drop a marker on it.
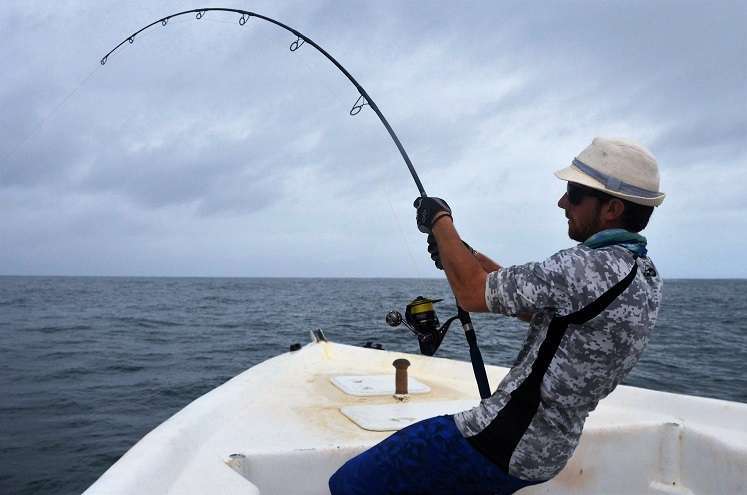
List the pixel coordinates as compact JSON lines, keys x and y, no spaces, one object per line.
{"x":464,"y":271}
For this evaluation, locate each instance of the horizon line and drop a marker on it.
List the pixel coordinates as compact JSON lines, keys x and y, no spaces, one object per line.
{"x":281,"y":277}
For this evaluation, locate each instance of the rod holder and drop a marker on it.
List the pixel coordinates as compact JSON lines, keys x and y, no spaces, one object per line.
{"x":400,"y":376}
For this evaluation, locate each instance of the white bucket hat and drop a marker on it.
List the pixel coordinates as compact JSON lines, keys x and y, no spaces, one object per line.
{"x":619,"y":168}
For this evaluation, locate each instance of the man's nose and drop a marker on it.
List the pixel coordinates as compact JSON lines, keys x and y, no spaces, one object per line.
{"x":563,"y":201}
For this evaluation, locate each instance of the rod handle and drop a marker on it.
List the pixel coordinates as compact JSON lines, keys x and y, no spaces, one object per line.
{"x":478,"y":365}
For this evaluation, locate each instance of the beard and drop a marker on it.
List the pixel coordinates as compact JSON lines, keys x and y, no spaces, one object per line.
{"x":580,"y":231}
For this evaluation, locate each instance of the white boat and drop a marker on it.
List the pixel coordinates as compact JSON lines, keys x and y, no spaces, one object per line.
{"x":285,"y":425}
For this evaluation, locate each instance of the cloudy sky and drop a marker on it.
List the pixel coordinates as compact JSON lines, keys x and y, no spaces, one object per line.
{"x":207,"y":148}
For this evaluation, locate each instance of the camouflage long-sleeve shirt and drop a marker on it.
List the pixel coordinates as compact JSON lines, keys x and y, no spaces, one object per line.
{"x":587,"y":364}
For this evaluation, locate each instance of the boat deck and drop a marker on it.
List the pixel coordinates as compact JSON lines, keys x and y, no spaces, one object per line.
{"x":279,"y":428}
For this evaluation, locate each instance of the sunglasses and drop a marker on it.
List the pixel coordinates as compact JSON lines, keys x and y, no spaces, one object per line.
{"x":577,"y":193}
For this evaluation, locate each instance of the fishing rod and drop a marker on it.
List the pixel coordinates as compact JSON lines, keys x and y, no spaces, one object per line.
{"x":364,"y":99}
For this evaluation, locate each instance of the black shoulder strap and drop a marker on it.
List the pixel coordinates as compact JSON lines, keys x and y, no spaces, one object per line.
{"x":592,"y":310}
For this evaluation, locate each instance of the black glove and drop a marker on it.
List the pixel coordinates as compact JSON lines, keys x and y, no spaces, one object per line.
{"x":433,"y":250}
{"x":428,"y":208}
{"x":436,"y":256}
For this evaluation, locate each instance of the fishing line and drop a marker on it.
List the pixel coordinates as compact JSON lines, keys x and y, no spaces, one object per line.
{"x":43,"y":122}
{"x":388,"y":192}
{"x":408,"y":248}
{"x":408,"y":245}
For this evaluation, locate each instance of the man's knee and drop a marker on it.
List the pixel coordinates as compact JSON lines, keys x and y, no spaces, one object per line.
{"x":343,"y":481}
{"x":336,"y":481}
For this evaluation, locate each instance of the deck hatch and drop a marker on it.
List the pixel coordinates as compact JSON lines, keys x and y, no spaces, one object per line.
{"x":393,"y":417}
{"x":373,"y":385}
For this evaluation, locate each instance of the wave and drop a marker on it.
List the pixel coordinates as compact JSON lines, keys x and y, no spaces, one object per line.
{"x":145,"y":322}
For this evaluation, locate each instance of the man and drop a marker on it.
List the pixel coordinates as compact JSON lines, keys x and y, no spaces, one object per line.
{"x":591,"y":310}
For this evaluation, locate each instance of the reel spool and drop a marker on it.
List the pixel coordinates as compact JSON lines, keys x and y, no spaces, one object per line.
{"x":421,"y":319}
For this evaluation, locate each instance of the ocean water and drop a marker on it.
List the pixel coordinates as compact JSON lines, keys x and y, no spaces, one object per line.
{"x":89,"y":365}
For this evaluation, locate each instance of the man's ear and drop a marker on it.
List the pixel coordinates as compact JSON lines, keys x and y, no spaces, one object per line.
{"x":613,"y":210}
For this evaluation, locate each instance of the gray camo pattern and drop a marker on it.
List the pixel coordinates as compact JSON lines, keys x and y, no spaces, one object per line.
{"x":591,"y":359}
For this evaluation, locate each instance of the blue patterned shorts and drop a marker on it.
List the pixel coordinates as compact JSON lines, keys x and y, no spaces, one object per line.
{"x":430,"y":457}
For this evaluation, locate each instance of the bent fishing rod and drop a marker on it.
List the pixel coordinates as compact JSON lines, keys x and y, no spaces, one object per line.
{"x":364,"y":99}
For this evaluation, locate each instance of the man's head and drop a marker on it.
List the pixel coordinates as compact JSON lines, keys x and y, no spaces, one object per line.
{"x":611,"y":184}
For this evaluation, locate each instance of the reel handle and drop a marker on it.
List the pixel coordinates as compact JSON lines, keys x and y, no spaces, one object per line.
{"x":394,"y":318}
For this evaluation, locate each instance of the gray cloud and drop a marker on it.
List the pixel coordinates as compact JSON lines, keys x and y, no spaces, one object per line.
{"x":205,"y":122}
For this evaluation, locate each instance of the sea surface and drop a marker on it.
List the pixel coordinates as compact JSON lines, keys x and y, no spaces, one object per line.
{"x":88,"y":365}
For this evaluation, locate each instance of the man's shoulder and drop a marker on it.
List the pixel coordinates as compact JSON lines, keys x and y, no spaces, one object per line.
{"x":587,"y":273}
{"x":582,"y":261}
{"x":578,"y":265}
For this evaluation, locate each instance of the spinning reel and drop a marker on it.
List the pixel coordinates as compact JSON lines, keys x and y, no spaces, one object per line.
{"x":421,"y":319}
